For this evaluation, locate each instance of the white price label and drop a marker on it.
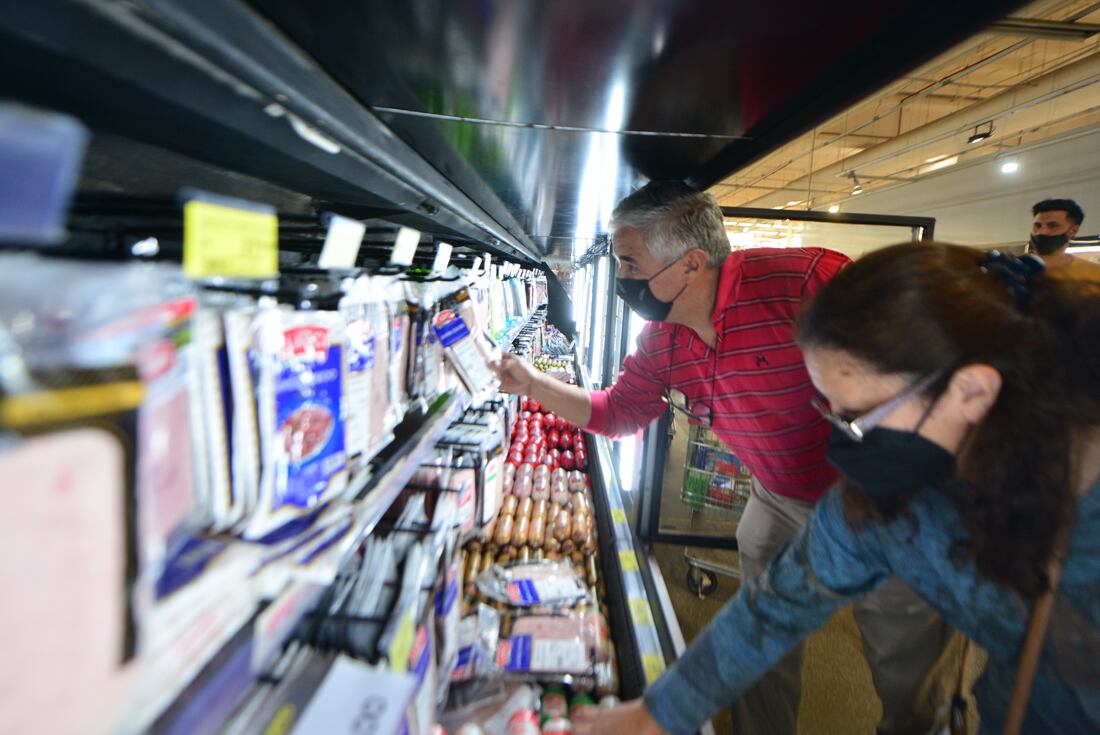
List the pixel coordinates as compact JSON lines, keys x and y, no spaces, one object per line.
{"x":405,"y":247}
{"x":568,"y":656}
{"x":442,"y":257}
{"x":342,"y":243}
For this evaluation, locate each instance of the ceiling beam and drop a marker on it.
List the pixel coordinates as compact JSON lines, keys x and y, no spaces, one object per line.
{"x":1039,"y":28}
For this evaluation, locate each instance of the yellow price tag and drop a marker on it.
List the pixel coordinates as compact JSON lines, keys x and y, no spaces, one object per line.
{"x":282,"y":721}
{"x":402,"y":643}
{"x":628,"y":561}
{"x":639,"y":610}
{"x":618,"y":515}
{"x":227,"y":241}
{"x":653,"y":665}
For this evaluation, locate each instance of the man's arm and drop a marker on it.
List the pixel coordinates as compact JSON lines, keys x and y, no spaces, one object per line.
{"x":636,"y":398}
{"x":519,"y":378}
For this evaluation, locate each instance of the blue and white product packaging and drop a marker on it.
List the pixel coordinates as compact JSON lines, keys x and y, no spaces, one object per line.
{"x":478,"y":636}
{"x":301,"y":365}
{"x":244,"y":443}
{"x":462,"y":350}
{"x":547,"y":646}
{"x":358,"y":405}
{"x":400,"y":354}
{"x":533,"y":584}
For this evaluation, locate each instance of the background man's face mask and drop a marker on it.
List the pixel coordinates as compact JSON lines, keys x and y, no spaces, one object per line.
{"x":637,"y":295}
{"x":1048,"y":244}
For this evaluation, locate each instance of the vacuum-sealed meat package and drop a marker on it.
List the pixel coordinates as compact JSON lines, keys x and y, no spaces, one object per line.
{"x":533,"y":584}
{"x":300,"y":359}
{"x":551,"y":647}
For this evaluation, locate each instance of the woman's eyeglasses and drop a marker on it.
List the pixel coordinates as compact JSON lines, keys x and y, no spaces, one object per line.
{"x":856,"y":429}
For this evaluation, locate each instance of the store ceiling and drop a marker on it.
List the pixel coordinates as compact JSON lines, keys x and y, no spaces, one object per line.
{"x":1026,"y":82}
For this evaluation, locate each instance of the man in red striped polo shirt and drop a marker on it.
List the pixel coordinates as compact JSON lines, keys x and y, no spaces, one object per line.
{"x":721,"y":335}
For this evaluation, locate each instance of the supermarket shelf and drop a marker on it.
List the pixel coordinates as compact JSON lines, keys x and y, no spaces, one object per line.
{"x":510,"y":335}
{"x":399,"y":461}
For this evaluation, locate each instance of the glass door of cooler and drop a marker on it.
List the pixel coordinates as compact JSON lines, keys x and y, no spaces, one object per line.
{"x":691,"y":487}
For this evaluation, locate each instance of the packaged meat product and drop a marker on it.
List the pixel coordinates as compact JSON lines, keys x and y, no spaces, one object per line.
{"x":524,"y":722}
{"x":509,"y":477}
{"x":579,"y":502}
{"x":478,"y":634}
{"x":554,"y":702}
{"x":533,"y":584}
{"x":301,"y":415}
{"x":520,"y":529}
{"x":579,"y":526}
{"x":560,"y":495}
{"x":562,"y":525}
{"x":540,"y":492}
{"x":557,"y":726}
{"x":523,"y":486}
{"x":592,"y":571}
{"x":537,"y":533}
{"x":366,"y":374}
{"x":547,"y":647}
{"x":489,"y":531}
{"x":508,"y":507}
{"x":523,"y":508}
{"x":577,"y":481}
{"x":503,"y":535}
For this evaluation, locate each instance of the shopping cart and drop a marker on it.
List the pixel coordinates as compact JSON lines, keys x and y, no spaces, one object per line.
{"x":714,"y":480}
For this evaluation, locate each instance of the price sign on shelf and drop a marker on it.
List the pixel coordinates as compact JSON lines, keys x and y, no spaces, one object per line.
{"x":223,"y":240}
{"x":342,"y":242}
{"x":404,"y":249}
{"x":442,"y":257}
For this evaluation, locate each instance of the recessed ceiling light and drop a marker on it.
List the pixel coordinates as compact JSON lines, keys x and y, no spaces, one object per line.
{"x":834,"y":209}
{"x":794,"y":203}
{"x":1010,"y":166}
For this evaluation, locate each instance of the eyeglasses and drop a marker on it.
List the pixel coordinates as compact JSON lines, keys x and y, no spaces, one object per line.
{"x":857,"y":428}
{"x":699,"y":412}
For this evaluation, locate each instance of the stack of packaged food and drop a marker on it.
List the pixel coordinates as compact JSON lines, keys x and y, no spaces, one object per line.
{"x":535,"y":642}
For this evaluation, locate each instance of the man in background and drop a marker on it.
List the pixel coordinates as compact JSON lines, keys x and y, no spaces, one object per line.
{"x":1055,"y":223}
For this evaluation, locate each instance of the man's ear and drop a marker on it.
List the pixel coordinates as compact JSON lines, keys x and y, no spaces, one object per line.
{"x":695,"y":259}
{"x":974,"y":390}
{"x":1073,"y":230}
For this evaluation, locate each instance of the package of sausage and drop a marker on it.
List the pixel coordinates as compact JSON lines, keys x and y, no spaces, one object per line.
{"x":300,"y":358}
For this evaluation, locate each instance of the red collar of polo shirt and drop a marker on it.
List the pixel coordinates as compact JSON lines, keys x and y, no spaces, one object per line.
{"x":729,"y":283}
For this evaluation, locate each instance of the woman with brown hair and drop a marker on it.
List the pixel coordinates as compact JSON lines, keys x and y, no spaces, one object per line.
{"x":963,"y":389}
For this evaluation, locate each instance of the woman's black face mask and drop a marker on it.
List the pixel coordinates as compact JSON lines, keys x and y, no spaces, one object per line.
{"x":890,"y":462}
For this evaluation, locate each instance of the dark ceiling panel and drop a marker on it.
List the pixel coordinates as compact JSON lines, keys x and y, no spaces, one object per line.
{"x":513,"y":95}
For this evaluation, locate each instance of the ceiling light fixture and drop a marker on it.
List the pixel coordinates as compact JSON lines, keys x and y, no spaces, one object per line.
{"x":1010,"y":166}
{"x":981,"y":132}
{"x":857,"y":188}
{"x":942,"y":163}
{"x":834,"y":209}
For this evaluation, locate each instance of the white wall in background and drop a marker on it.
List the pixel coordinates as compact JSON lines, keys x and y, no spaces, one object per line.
{"x":979,"y":205}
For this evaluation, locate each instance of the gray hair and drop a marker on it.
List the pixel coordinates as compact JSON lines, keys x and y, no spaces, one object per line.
{"x":674,"y":218}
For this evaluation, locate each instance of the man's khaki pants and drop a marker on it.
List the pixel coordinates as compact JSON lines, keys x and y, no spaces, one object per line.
{"x":903,"y":637}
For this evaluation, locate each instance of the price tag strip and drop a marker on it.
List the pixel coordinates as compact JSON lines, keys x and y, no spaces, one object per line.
{"x":222,"y":240}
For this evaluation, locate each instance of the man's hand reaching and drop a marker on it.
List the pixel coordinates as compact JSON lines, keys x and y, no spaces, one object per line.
{"x":516,"y":376}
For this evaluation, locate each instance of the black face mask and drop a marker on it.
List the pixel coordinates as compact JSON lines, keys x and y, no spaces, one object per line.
{"x":890,"y":462}
{"x":1048,"y":244}
{"x":638,"y":296}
